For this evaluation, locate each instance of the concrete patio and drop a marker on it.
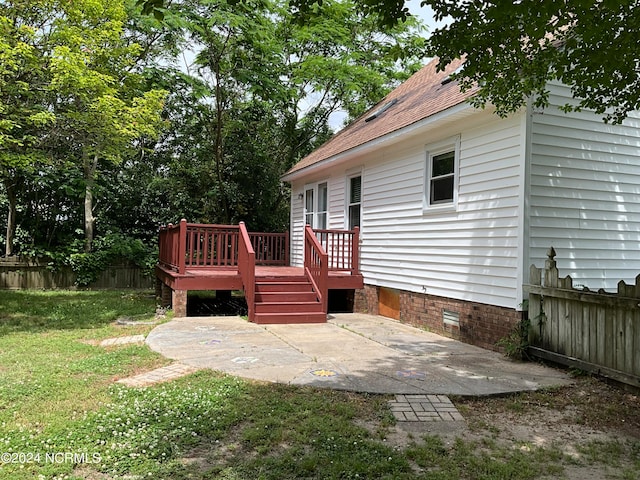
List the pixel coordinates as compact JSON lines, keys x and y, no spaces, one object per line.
{"x":356,"y":352}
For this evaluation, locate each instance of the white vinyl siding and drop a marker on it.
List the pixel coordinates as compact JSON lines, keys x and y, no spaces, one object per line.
{"x":335,"y":220}
{"x":336,"y":203}
{"x":585,"y":194}
{"x":468,"y":254}
{"x":296,"y":220}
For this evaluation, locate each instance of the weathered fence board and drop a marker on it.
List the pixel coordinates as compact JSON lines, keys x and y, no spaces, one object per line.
{"x":16,"y":274}
{"x":596,"y":331}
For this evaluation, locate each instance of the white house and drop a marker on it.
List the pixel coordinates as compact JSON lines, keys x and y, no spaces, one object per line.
{"x":454,"y":203}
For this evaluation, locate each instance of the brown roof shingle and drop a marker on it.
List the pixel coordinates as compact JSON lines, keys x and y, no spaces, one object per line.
{"x":419,"y":97}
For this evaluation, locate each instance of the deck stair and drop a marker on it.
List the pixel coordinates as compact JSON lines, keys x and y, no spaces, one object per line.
{"x":287,"y":299}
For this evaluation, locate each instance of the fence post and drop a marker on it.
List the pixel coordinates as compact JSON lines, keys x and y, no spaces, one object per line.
{"x":550,"y":269}
{"x":535,"y":307}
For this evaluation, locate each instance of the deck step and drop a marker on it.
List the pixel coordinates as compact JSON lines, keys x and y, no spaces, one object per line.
{"x":282,"y":278}
{"x":281,"y":297}
{"x":287,"y":318}
{"x":289,"y":307}
{"x":283,"y":287}
{"x":287,"y":299}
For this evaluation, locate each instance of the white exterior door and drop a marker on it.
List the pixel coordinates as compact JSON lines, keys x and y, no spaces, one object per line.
{"x":316,"y":205}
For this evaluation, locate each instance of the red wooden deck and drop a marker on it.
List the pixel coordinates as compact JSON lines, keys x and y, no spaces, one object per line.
{"x":221,"y":278}
{"x":227,"y":257}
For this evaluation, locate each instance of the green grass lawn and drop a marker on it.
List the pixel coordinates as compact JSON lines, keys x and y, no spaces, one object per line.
{"x":62,"y":414}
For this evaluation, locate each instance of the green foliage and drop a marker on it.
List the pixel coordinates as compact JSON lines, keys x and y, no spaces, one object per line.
{"x":265,"y":89}
{"x":110,"y":249}
{"x":57,"y":394}
{"x":107,"y":250}
{"x":70,"y":96}
{"x":474,"y":460}
{"x":140,"y":430}
{"x":516,"y":344}
{"x":513,"y":49}
{"x":83,"y":98}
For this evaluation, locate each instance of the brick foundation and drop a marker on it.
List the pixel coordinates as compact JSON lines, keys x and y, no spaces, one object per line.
{"x":179,"y":303}
{"x":158,"y":288}
{"x":479,"y":324}
{"x":366,"y":300}
{"x":165,"y":295}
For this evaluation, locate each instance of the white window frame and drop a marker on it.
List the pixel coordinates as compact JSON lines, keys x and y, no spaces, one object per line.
{"x":316,"y":203}
{"x":433,"y":150}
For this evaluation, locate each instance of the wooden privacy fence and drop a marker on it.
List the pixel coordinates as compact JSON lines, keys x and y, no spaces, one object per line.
{"x":593,"y":331}
{"x":16,"y":274}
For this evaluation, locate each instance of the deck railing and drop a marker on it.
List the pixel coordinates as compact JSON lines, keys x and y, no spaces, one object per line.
{"x":247,"y":268}
{"x":316,"y":265}
{"x":194,"y":245}
{"x":171,"y":246}
{"x":342,"y":247}
{"x":271,"y":248}
{"x":211,"y":245}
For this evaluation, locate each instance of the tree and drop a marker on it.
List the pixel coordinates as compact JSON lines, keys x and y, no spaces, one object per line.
{"x":23,"y":111}
{"x":70,"y":96}
{"x":81,"y":90}
{"x":260,"y":93}
{"x":513,"y":49}
{"x":101,"y":107}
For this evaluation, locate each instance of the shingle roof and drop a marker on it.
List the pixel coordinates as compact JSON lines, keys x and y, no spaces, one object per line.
{"x":419,"y":97}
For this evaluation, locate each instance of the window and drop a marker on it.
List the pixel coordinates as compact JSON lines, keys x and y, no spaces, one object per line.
{"x":355,"y":193}
{"x":309,"y":206}
{"x":442,"y":174}
{"x":321,"y":218}
{"x":315,"y":205}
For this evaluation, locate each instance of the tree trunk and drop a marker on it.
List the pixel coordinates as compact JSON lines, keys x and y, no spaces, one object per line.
{"x":219,"y":150}
{"x":10,"y":187}
{"x":90,"y":167}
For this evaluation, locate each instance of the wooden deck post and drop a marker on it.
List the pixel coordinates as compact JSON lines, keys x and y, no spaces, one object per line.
{"x":247,"y":269}
{"x":355,"y":251}
{"x":179,"y":303}
{"x":182,"y":247}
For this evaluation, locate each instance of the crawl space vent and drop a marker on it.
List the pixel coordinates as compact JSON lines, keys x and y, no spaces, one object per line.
{"x":451,"y":318}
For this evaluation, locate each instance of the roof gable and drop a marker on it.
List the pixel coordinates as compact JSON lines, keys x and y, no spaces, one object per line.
{"x":422,"y":95}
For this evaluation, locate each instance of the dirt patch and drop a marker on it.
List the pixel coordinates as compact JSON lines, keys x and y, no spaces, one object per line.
{"x":590,"y":406}
{"x":591,"y":427}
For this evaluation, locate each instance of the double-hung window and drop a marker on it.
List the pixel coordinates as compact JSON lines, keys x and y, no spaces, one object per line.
{"x":442,"y":174}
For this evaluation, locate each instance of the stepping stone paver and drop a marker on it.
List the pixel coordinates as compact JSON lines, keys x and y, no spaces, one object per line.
{"x":122,"y":340}
{"x":424,"y":408}
{"x":162,"y":374}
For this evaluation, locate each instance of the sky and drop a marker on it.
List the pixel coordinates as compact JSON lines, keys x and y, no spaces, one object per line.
{"x":425,"y":13}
